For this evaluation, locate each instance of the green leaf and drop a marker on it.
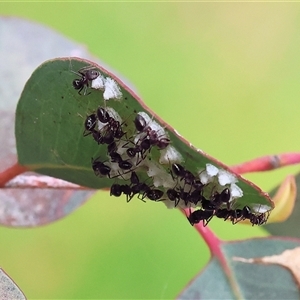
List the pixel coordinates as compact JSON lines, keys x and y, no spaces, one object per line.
{"x":252,"y":269}
{"x":50,"y":121}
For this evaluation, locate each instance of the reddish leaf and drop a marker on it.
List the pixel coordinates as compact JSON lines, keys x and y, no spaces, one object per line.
{"x":29,"y":207}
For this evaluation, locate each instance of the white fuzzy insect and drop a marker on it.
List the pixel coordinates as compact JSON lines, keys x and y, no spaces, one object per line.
{"x":170,"y":155}
{"x":98,"y":83}
{"x":235,"y":191}
{"x":225,"y":177}
{"x":111,"y":90}
{"x":109,"y":86}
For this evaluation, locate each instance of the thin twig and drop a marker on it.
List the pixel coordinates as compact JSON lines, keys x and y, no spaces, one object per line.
{"x":267,"y":163}
{"x":215,"y":246}
{"x":11,"y":173}
{"x":212,"y":241}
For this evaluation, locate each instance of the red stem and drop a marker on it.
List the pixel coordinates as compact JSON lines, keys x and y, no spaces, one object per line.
{"x":266,"y":163}
{"x":11,"y":172}
{"x":215,"y":246}
{"x":212,"y":241}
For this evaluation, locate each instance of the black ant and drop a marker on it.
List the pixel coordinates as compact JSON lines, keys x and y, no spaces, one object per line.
{"x":198,"y":185}
{"x":141,"y":126}
{"x":112,"y":129}
{"x":154,"y":194}
{"x":219,"y":198}
{"x":237,"y":215}
{"x":177,"y":195}
{"x":234,"y":215}
{"x":223,"y":213}
{"x":195,"y":196}
{"x":133,"y":151}
{"x":139,"y":149}
{"x":123,"y":164}
{"x":143,"y":189}
{"x":185,"y":175}
{"x":155,"y":140}
{"x":112,"y":147}
{"x":208,"y":205}
{"x":103,"y":136}
{"x":255,"y":219}
{"x":117,"y":189}
{"x":89,"y":128}
{"x":200,"y":215}
{"x":138,"y":187}
{"x":100,"y":168}
{"x":259,"y":219}
{"x":183,"y":195}
{"x":108,"y":132}
{"x":87,"y":74}
{"x":173,"y":195}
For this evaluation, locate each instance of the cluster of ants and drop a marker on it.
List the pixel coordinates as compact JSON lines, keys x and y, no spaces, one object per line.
{"x":211,"y":207}
{"x":111,"y":135}
{"x":127,"y":154}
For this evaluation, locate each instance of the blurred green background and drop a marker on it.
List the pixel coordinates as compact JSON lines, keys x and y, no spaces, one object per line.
{"x":226,"y":76}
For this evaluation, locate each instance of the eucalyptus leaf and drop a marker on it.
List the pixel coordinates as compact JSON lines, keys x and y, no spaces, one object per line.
{"x":50,"y":127}
{"x":251,"y":269}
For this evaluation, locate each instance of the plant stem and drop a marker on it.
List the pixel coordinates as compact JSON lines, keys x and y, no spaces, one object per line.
{"x":212,"y":241}
{"x":266,"y":163}
{"x":215,"y":246}
{"x":10,"y":173}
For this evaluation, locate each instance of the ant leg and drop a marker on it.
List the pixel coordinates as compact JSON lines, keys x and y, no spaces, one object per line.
{"x":142,"y":199}
{"x":79,"y":91}
{"x":205,"y":222}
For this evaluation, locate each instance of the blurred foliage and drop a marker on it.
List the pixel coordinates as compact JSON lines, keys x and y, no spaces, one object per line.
{"x":262,"y":268}
{"x":238,"y":63}
{"x":291,"y":225}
